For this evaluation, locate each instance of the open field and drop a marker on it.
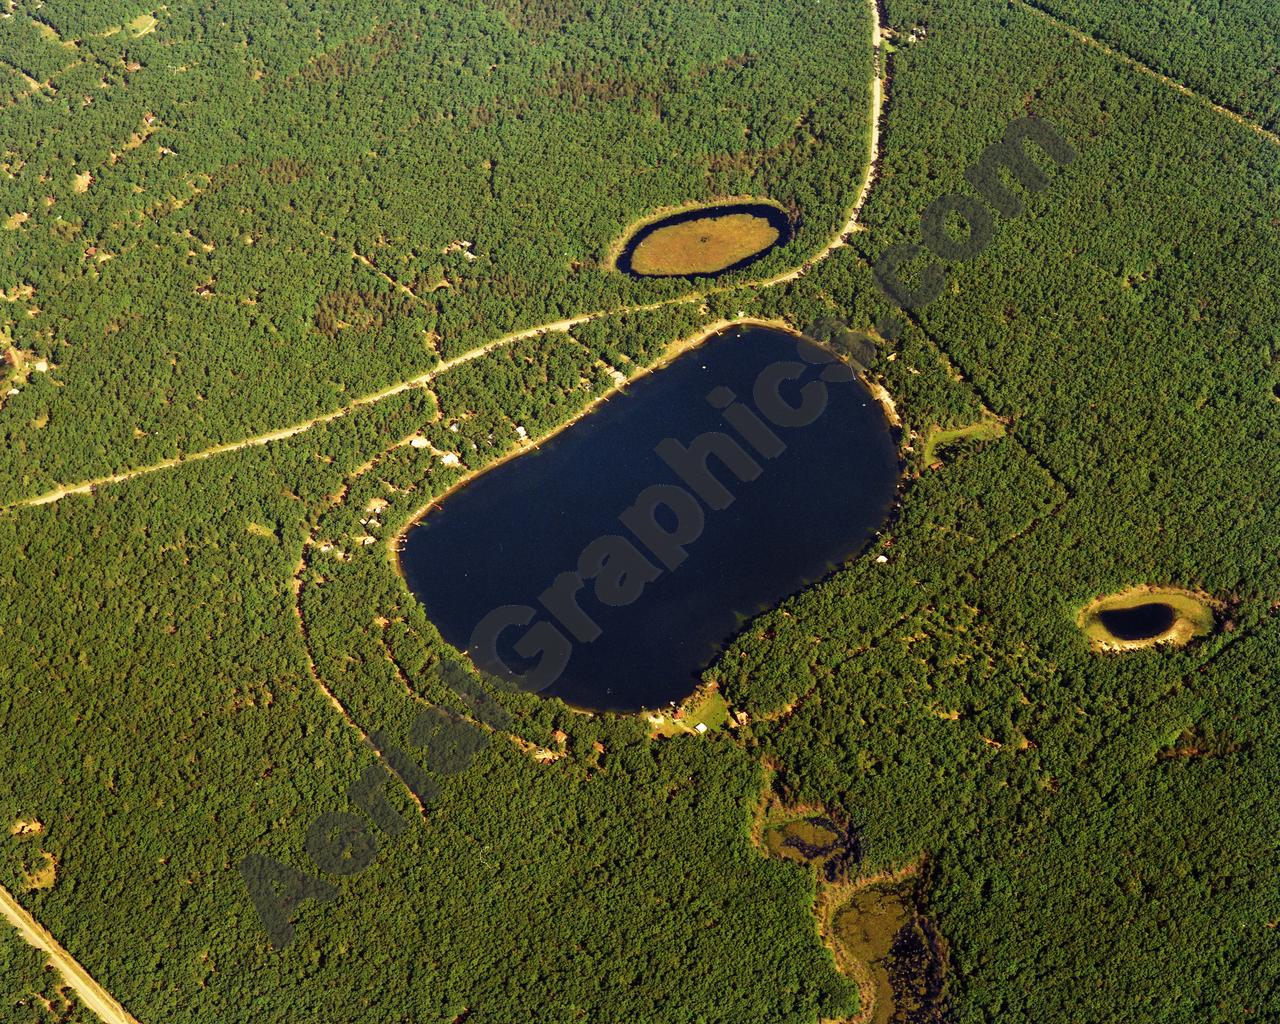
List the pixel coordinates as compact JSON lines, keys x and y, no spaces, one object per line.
{"x":143,"y":24}
{"x":938,"y":438}
{"x":706,"y":709}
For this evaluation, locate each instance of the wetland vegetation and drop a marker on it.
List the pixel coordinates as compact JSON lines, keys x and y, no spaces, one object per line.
{"x":705,"y":242}
{"x":1146,"y":615}
{"x":875,"y":925}
{"x":900,"y":953}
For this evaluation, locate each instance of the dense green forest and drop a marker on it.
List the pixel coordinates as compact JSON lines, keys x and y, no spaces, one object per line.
{"x":1092,"y":820}
{"x":33,"y":993}
{"x":192,"y":660}
{"x":1229,"y":51}
{"x":425,"y":177}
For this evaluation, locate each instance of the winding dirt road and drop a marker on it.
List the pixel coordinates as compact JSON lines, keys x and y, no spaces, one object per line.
{"x":92,"y":995}
{"x":851,"y":224}
{"x":838,"y":240}
{"x":86,"y":486}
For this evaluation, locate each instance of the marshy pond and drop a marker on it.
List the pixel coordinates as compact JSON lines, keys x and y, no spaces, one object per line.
{"x":1143,"y":616}
{"x":705,"y":242}
{"x":1141,"y":622}
{"x":610,"y":565}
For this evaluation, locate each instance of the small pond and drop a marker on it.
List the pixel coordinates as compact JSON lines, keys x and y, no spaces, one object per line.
{"x":1141,"y":622}
{"x":705,"y":242}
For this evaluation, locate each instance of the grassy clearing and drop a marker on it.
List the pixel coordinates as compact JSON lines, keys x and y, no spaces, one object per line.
{"x":1194,"y":616}
{"x":939,"y":438}
{"x":143,"y":24}
{"x":48,"y":33}
{"x":707,"y":707}
{"x":44,"y":875}
{"x":703,"y":246}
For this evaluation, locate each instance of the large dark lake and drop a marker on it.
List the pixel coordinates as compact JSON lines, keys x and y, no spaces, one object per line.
{"x":502,"y":550}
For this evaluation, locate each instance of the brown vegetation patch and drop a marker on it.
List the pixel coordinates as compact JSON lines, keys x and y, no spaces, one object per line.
{"x":356,"y":57}
{"x":358,"y":310}
{"x":539,"y":18}
{"x":286,"y":171}
{"x":704,"y":246}
{"x":1197,"y":742}
{"x":789,"y":151}
{"x":580,"y":87}
{"x":43,"y":876}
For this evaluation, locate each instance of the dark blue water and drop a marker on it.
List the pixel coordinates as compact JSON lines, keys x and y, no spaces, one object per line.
{"x":1140,"y":622}
{"x":658,"y":610}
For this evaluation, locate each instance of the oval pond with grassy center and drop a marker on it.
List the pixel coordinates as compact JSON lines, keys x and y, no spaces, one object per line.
{"x":705,"y":242}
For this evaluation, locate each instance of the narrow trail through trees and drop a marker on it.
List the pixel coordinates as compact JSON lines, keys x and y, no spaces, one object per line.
{"x":1137,"y":65}
{"x":840,"y":239}
{"x":93,"y":995}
